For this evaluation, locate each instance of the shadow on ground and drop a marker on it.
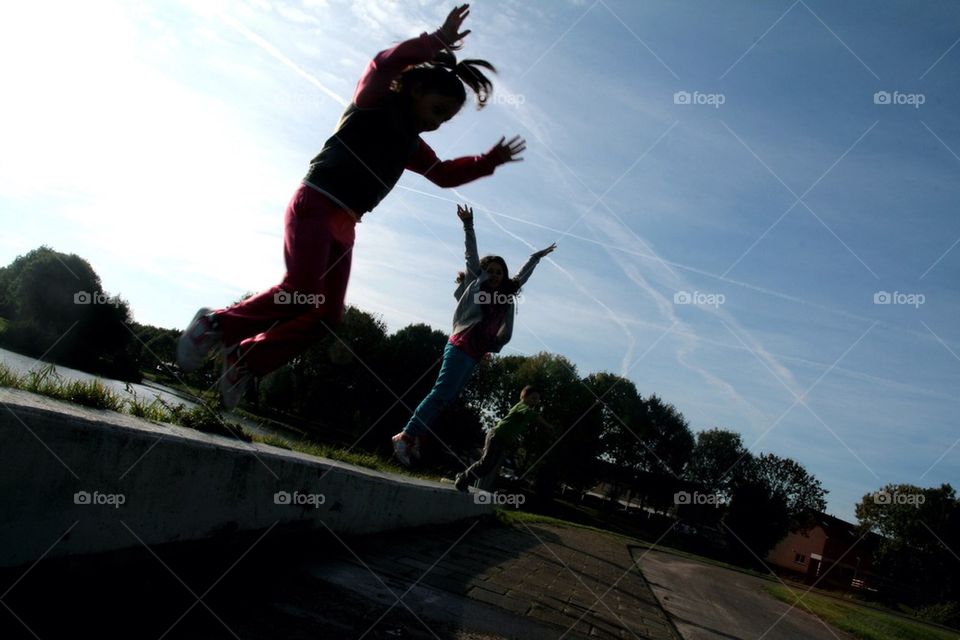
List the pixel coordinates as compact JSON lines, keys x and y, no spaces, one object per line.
{"x":472,"y":580}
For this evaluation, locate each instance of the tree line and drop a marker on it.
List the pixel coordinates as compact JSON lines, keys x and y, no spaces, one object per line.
{"x":358,"y":385}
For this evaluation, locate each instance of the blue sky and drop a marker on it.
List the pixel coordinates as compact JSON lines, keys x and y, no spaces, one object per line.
{"x":161,"y":141}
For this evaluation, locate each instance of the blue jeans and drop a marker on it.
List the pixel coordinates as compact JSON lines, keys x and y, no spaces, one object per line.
{"x":454,"y":374}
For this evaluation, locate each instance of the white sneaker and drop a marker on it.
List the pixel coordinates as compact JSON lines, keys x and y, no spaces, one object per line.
{"x":405,"y":448}
{"x":235,"y":379}
{"x":196,"y":341}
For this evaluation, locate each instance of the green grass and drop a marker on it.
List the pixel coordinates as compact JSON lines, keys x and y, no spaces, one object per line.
{"x":47,"y":382}
{"x":863,"y":622}
{"x":359,"y":459}
{"x":3,"y":324}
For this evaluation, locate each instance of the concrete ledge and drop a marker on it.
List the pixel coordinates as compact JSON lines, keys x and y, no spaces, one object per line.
{"x":76,"y":481}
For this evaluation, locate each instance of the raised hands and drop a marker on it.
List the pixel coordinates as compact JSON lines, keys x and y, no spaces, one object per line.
{"x":465,"y":214}
{"x":508,"y":150}
{"x":450,"y":31}
{"x":544,"y":252}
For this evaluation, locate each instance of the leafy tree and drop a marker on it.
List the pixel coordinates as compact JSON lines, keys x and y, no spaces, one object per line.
{"x":624,"y":424}
{"x":803,"y":495}
{"x":717,"y":457}
{"x":756,"y":520}
{"x":770,"y":497}
{"x":921,"y":533}
{"x":57,"y":308}
{"x":669,"y":441}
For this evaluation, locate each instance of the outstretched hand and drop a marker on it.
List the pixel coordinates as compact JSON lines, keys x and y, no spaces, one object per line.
{"x":508,"y":150}
{"x":544,"y":252}
{"x":450,"y":31}
{"x":465,"y":214}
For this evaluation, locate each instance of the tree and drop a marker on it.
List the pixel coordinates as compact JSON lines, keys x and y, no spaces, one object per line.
{"x":57,"y":308}
{"x":770,"y":496}
{"x":624,"y":424}
{"x":717,"y":457}
{"x":803,"y":495}
{"x":921,"y":534}
{"x":756,"y":519}
{"x":669,"y":441}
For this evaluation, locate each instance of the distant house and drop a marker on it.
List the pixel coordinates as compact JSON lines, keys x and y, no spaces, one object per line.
{"x":833,"y":552}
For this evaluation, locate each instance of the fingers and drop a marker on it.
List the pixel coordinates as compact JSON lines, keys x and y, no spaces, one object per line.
{"x":463,"y":35}
{"x":457,"y":13}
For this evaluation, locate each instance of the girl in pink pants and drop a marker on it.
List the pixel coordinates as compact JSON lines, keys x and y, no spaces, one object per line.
{"x":411,"y":88}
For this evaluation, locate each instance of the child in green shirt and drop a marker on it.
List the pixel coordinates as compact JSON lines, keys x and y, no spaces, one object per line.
{"x":503,"y":436}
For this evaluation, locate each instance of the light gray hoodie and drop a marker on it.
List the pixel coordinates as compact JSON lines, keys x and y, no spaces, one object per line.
{"x":469,"y":308}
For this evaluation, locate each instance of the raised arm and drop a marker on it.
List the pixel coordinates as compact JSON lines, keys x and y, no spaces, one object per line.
{"x":453,"y":173}
{"x":465,"y":214}
{"x":386,"y":66}
{"x":527,"y":269}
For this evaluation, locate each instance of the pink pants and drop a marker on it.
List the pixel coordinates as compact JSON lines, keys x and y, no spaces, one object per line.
{"x":275,"y":326}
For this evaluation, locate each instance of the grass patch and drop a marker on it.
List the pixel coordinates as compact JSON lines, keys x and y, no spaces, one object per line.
{"x":863,"y":622}
{"x":512,"y":517}
{"x":356,"y":458}
{"x":47,"y":382}
{"x":3,"y":325}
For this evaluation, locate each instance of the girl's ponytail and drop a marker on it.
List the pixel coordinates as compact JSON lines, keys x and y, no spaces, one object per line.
{"x":469,"y":72}
{"x":447,"y":76}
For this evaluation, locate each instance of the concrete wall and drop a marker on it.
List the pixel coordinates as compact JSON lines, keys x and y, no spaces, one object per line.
{"x":76,"y":480}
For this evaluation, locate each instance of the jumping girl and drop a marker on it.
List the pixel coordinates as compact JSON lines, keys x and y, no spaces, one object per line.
{"x":482,"y":324}
{"x":414,"y":87}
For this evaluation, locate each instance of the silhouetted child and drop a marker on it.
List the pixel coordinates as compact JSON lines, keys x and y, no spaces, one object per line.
{"x":503,"y":437}
{"x":482,"y":324}
{"x":411,"y":88}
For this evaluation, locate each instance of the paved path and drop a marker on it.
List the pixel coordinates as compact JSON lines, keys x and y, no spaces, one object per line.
{"x":578,"y":583}
{"x":712,"y":603}
{"x":469,"y":581}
